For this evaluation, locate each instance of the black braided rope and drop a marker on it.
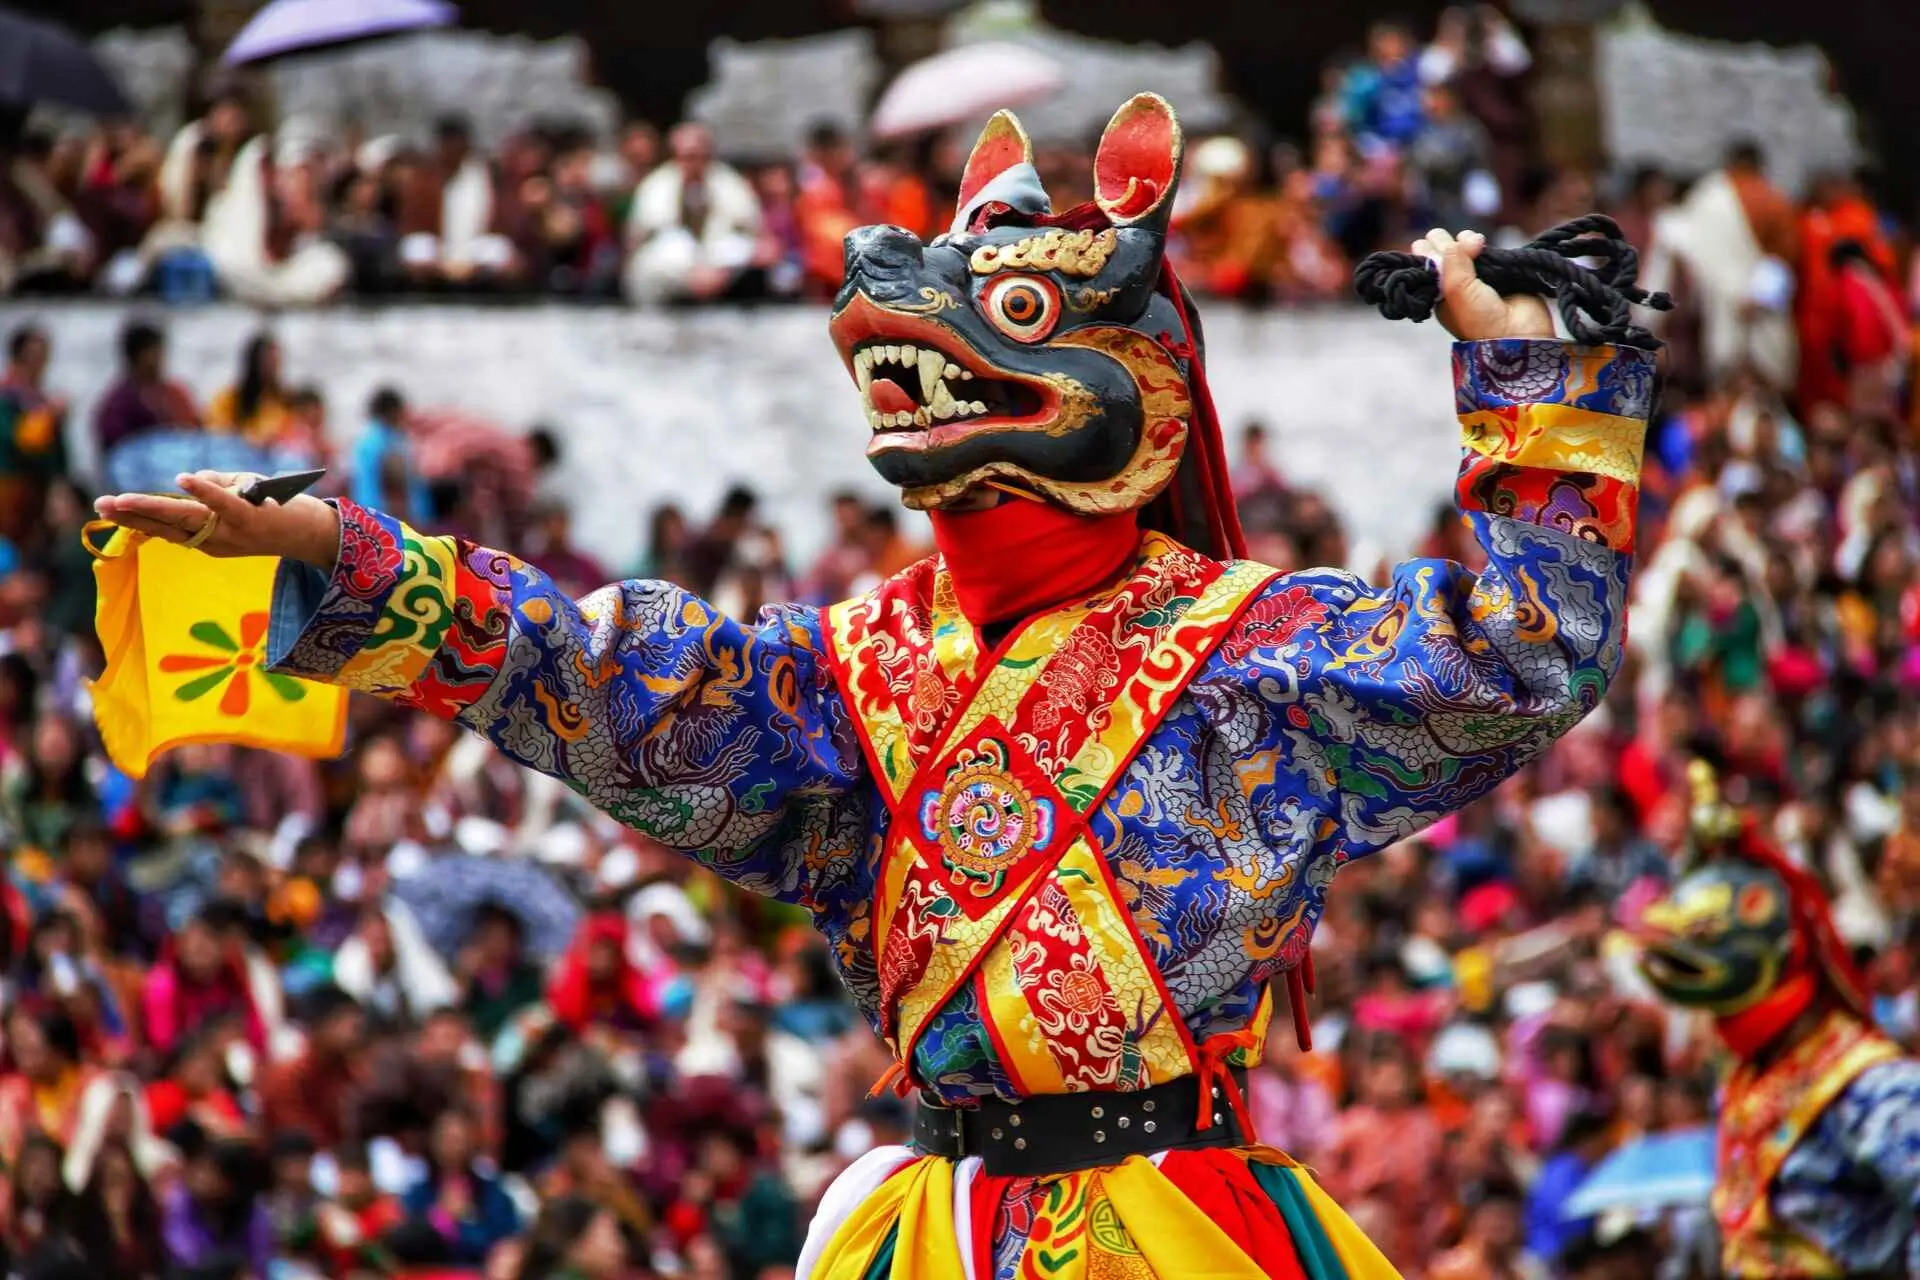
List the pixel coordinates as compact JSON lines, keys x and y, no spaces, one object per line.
{"x":1595,"y":302}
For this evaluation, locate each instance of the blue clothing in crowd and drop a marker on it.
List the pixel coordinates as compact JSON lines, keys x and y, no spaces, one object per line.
{"x":382,"y":451}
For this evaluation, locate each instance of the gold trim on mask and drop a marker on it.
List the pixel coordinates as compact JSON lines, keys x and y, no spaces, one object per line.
{"x":933,"y":302}
{"x":1071,"y":253}
{"x":1165,"y":410}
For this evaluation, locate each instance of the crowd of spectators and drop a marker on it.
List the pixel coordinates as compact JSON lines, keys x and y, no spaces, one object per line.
{"x":1406,"y":135}
{"x":235,"y":1040}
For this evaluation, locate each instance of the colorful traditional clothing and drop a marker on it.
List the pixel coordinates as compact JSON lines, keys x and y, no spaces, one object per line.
{"x":1818,"y":1173}
{"x":1062,"y":853}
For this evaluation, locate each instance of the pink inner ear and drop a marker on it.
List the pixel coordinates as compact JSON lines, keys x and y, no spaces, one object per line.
{"x":999,"y":149}
{"x":1134,"y":166}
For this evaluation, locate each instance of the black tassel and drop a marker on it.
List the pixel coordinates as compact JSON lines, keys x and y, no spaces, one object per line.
{"x":1595,"y":302}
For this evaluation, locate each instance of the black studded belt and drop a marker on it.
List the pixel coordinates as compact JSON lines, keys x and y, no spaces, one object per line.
{"x":1061,"y":1132}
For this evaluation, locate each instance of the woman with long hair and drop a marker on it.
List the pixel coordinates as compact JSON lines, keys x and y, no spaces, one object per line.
{"x":255,"y":407}
{"x":575,"y":1239}
{"x":40,"y":1206}
{"x":117,"y":1220}
{"x":45,"y":792}
{"x":213,"y":1218}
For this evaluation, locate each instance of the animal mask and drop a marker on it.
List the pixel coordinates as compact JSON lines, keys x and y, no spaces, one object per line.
{"x":1047,"y":354}
{"x":1739,"y":919}
{"x":1720,"y":939}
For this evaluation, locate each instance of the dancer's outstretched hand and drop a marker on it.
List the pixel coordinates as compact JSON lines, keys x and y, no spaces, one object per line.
{"x":1469,"y":307}
{"x":303,"y":529}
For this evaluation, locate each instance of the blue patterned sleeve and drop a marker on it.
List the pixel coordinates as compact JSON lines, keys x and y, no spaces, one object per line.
{"x":1879,"y":1115}
{"x":1406,"y":702}
{"x":724,"y":740}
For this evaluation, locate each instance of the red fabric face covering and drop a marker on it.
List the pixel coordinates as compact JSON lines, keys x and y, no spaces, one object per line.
{"x":1752,"y":1029}
{"x":1017,"y":558}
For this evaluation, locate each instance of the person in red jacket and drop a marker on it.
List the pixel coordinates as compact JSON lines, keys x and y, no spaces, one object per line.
{"x":597,"y":985}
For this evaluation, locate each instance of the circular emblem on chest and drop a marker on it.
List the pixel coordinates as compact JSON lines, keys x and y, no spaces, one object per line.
{"x":986,"y":819}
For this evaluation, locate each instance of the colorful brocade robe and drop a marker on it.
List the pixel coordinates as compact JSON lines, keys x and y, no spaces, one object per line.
{"x":1819,"y":1159}
{"x":1076,"y":861}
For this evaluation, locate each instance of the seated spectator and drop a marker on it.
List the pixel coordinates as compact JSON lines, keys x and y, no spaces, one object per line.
{"x":748,"y":1210}
{"x":143,"y":399}
{"x":193,"y":1086}
{"x":577,"y":1238}
{"x":117,"y":1219}
{"x":466,"y":1207}
{"x":113,"y":1115}
{"x":1382,"y":91}
{"x":1490,"y":1245}
{"x":447,"y":223}
{"x":45,"y":792}
{"x":388,"y":967}
{"x":499,"y":977}
{"x":358,"y":1216}
{"x":293,"y":1203}
{"x":596,"y":984}
{"x":569,"y":242}
{"x":44,"y":1091}
{"x":40,"y":1209}
{"x":63,"y":562}
{"x":584,"y":1170}
{"x":782,"y":245}
{"x":694,"y":233}
{"x":1227,"y":243}
{"x":201,"y":978}
{"x":117,"y":920}
{"x":828,"y":205}
{"x":50,"y":250}
{"x":214,"y":1219}
{"x":1451,"y":158}
{"x":60,"y":972}
{"x":316,"y":1092}
{"x":33,"y":447}
{"x":119,"y":198}
{"x":255,"y":407}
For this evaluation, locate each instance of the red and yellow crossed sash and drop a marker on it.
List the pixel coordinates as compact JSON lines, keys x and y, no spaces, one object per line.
{"x":990,"y":766}
{"x":1763,"y":1117}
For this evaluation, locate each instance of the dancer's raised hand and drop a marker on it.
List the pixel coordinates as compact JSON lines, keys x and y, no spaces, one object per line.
{"x":210,"y":515}
{"x":1469,"y":306}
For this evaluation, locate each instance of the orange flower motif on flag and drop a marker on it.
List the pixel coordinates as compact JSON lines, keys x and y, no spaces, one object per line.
{"x":231,"y":667}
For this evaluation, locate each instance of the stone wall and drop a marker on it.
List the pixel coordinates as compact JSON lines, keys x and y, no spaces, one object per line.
{"x":655,"y":407}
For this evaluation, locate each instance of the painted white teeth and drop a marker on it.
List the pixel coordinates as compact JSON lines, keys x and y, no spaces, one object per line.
{"x":921,"y":418}
{"x":931,"y":362}
{"x":942,"y":402}
{"x":978,"y":407}
{"x":966,"y":375}
{"x":951,"y":372}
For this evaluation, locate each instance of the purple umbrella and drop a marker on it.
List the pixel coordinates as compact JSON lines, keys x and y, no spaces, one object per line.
{"x":298,"y":26}
{"x":42,"y":62}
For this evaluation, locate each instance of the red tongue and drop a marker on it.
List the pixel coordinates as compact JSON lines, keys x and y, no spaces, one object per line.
{"x":890,"y":397}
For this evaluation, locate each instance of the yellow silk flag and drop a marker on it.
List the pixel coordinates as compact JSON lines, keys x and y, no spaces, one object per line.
{"x":186,"y":642}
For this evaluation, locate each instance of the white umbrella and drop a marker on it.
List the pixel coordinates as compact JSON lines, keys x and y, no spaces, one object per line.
{"x":298,"y":26}
{"x":964,"y":84}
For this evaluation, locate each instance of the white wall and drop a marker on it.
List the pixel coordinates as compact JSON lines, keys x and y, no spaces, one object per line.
{"x":657,"y":407}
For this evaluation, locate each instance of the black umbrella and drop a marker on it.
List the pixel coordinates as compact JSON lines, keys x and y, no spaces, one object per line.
{"x":41,"y":62}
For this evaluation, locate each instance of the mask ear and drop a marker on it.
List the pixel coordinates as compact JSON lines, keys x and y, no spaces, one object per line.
{"x":1003,"y":144}
{"x":1137,"y":166}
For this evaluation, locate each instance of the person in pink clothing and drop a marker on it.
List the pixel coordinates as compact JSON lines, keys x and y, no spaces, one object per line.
{"x":200,"y":979}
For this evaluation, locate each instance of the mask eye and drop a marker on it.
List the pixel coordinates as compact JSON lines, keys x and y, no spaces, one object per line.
{"x":1023,"y":307}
